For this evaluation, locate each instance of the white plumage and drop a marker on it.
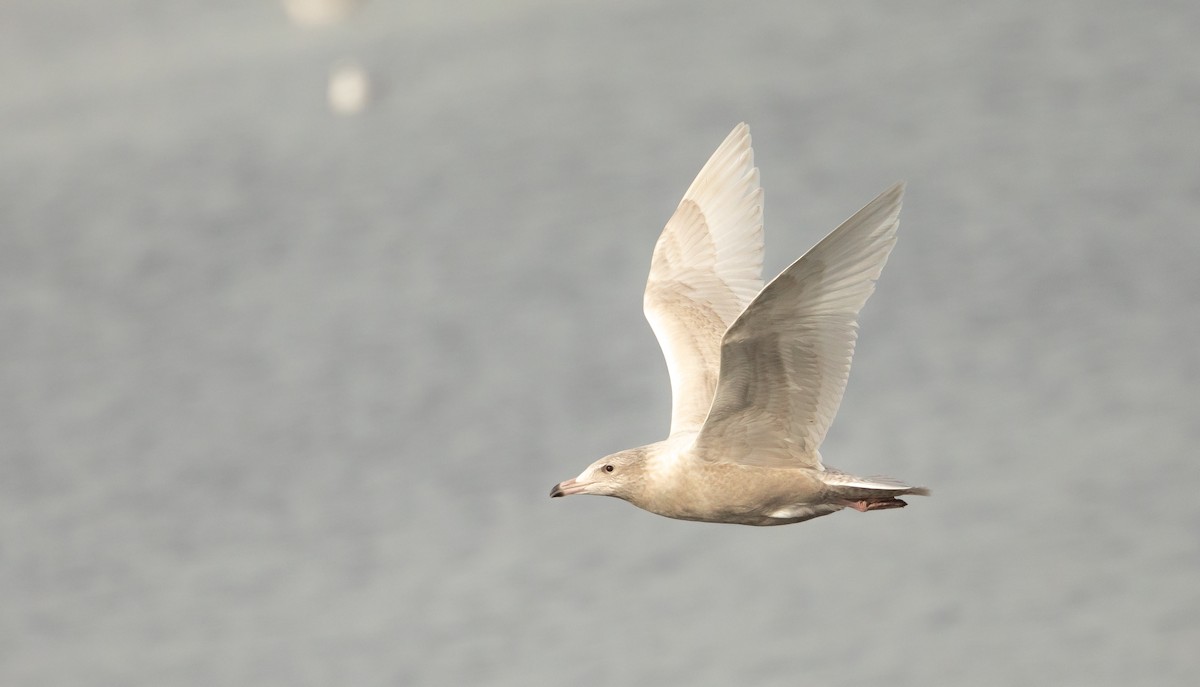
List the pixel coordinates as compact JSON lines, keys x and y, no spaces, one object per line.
{"x":757,"y":373}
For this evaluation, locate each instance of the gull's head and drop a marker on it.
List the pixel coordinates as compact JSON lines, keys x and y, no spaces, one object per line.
{"x":617,"y":475}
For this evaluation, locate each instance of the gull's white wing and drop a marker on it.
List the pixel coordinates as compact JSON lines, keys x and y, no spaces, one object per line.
{"x":707,"y":267}
{"x":785,"y":361}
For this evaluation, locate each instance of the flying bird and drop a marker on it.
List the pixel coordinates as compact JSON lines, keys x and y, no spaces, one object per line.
{"x":757,"y":372}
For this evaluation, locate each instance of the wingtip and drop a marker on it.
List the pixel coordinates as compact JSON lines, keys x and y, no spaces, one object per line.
{"x":889,"y":201}
{"x":739,"y":133}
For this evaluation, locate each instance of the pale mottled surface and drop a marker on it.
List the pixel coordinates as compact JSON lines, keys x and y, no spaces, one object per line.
{"x":706,"y":268}
{"x":284,"y":391}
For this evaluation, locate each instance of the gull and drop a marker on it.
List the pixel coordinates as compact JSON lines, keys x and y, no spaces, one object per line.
{"x":757,"y":372}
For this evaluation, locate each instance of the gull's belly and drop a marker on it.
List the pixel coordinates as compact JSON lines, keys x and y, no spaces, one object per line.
{"x":741,"y":494}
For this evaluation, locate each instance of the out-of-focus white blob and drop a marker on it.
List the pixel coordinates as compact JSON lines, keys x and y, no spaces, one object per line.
{"x":319,"y":12}
{"x":349,"y":88}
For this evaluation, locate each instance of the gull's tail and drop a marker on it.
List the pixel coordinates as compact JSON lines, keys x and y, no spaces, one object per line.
{"x":868,"y":493}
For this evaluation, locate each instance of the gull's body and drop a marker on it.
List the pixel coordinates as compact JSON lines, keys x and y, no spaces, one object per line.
{"x":757,"y":372}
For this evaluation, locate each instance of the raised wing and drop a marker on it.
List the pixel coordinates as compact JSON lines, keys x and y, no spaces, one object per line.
{"x":707,"y":267}
{"x":785,"y":361}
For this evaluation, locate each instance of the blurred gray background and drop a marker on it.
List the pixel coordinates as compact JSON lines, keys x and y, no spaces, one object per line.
{"x":283,"y":392}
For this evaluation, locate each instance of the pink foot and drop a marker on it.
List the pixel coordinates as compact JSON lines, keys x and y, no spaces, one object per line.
{"x":864,"y":505}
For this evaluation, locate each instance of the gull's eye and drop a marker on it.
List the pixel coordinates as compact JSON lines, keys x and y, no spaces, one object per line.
{"x":608,"y":468}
